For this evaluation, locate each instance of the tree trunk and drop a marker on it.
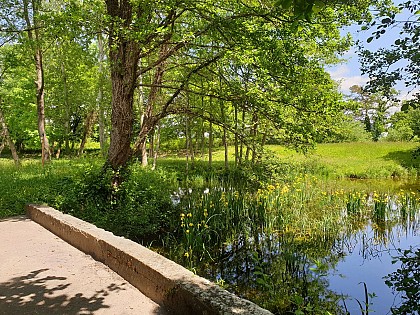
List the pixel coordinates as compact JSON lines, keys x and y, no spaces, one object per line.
{"x":254,"y":136}
{"x":211,"y":136}
{"x":152,"y":143}
{"x":124,"y":56}
{"x":144,"y":152}
{"x":157,"y":147}
{"x":66,"y":103}
{"x":241,"y":149}
{"x":100,"y":107}
{"x":3,"y":142}
{"x":90,"y":120}
{"x":210,"y":144}
{"x":148,"y":121}
{"x":187,"y":142}
{"x":236,"y":136}
{"x":8,"y":139}
{"x":34,"y":39}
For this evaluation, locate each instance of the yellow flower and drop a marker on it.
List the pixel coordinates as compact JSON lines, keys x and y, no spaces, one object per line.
{"x":182,"y":216}
{"x":191,"y":224}
{"x":187,"y":231}
{"x":189,"y":215}
{"x":187,"y":254}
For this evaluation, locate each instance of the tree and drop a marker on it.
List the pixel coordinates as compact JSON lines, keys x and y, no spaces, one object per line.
{"x":405,"y":125}
{"x":31,"y":12}
{"x":399,"y":62}
{"x":372,"y":109}
{"x":182,"y":40}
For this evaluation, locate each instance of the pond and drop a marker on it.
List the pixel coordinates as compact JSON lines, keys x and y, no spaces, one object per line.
{"x":300,"y":247}
{"x":368,"y":257}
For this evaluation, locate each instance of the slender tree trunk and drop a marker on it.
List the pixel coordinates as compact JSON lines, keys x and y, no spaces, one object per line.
{"x":144,"y":159}
{"x":152,"y":143}
{"x":34,"y":38}
{"x":87,"y":130}
{"x":99,"y":101}
{"x":241,"y":149}
{"x":211,"y":138}
{"x":66,"y":104}
{"x":3,"y":142}
{"x":254,"y":136}
{"x":224,"y":137}
{"x":225,"y":145}
{"x":236,"y":136}
{"x":210,"y":144}
{"x":187,"y":143}
{"x":149,"y":122}
{"x":8,"y":139}
{"x":157,"y":147}
{"x":203,"y":140}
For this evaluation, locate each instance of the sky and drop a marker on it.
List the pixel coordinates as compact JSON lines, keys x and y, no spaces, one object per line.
{"x":348,"y":73}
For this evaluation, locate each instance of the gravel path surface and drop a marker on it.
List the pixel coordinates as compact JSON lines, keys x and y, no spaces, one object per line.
{"x":42,"y":274}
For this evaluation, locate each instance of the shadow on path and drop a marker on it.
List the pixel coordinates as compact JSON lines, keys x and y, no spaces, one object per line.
{"x":17,"y":218}
{"x":34,"y":294}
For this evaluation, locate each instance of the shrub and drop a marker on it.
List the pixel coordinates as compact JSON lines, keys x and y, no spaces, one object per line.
{"x":138,"y":208}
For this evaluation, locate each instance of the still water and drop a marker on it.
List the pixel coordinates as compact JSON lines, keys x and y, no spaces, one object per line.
{"x":367,"y":258}
{"x":321,"y":270}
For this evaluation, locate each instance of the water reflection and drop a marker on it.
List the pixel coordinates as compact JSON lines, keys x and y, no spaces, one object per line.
{"x":368,"y":258}
{"x":314,"y":270}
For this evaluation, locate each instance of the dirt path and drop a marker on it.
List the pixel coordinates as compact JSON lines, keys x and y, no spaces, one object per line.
{"x":42,"y":274}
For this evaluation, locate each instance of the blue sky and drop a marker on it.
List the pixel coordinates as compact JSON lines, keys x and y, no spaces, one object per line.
{"x":348,"y":73}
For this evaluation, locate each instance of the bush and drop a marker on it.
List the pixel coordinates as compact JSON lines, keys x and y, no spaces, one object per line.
{"x":400,"y":133}
{"x":138,"y":209}
{"x":348,"y":130}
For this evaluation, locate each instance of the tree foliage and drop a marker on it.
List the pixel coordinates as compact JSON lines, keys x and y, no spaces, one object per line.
{"x":246,"y":73}
{"x":400,"y":61}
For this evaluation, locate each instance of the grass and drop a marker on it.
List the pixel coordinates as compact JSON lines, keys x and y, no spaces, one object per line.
{"x":372,"y":160}
{"x":358,"y":159}
{"x":31,"y":183}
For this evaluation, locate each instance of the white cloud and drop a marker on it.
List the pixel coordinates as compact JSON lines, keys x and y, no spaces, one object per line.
{"x":408,"y":95}
{"x":344,"y":75}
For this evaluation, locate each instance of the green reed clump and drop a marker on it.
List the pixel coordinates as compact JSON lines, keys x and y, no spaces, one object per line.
{"x":381,"y":206}
{"x":355,"y":203}
{"x":408,"y":203}
{"x":215,"y":216}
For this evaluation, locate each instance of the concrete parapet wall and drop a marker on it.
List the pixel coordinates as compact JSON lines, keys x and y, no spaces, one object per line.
{"x":159,"y":278}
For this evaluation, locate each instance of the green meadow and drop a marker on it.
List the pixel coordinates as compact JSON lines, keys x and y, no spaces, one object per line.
{"x":371,"y":160}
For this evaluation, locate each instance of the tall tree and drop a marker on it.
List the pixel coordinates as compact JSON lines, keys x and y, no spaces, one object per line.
{"x":195,"y":35}
{"x":31,"y":11}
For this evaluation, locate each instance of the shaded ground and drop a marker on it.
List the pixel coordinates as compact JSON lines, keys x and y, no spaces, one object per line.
{"x":42,"y":274}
